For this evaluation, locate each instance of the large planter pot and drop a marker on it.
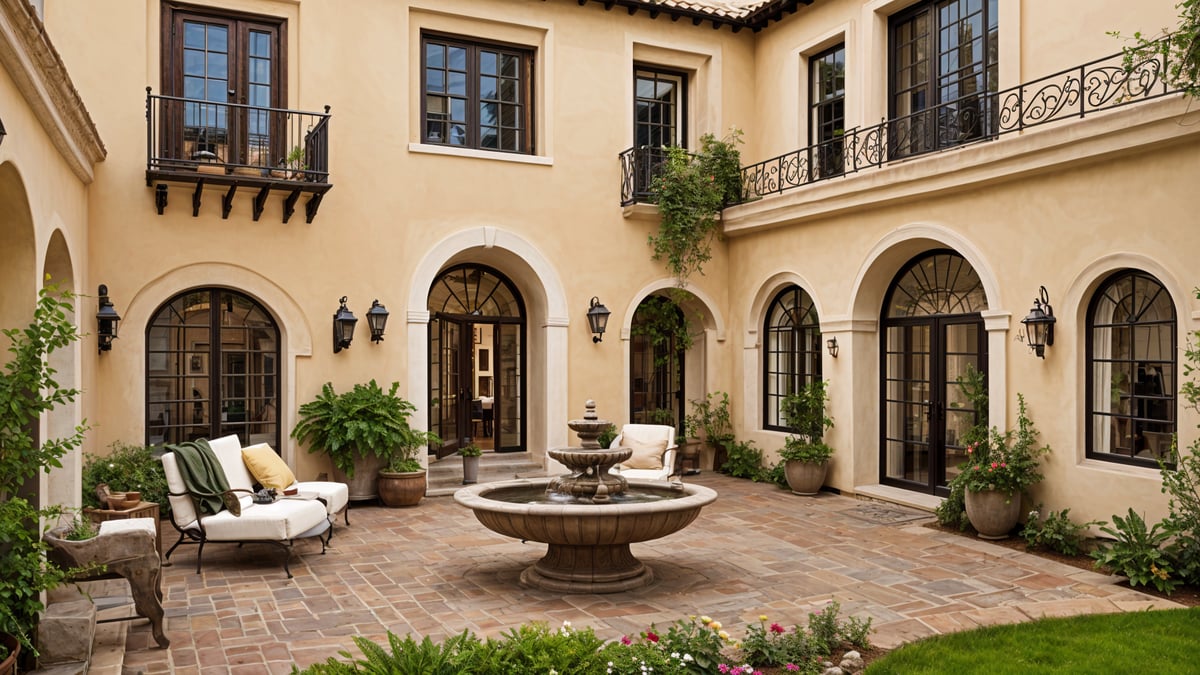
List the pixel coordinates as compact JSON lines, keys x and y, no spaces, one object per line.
{"x":470,"y":470}
{"x":805,"y":478}
{"x":363,"y":484}
{"x":688,"y":462}
{"x":403,"y":488}
{"x":8,"y":665}
{"x":990,"y":515}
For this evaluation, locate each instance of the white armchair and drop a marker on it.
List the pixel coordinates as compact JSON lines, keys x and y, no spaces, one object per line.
{"x":653,"y":451}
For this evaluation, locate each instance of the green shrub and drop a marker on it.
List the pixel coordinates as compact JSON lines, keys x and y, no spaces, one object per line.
{"x":1137,"y":553}
{"x":126,"y":468}
{"x":406,"y":656}
{"x":1056,"y":532}
{"x":804,"y":648}
{"x":744,"y":460}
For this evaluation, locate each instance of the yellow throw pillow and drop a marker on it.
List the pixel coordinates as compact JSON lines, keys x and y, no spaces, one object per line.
{"x":646,"y":454}
{"x":267,"y":467}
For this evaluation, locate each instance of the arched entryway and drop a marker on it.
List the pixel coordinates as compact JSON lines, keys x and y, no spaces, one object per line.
{"x":933,"y":333}
{"x":212,"y":369}
{"x":476,"y":360}
{"x":659,"y":339}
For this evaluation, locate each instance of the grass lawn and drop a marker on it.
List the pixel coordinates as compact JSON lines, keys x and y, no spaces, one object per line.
{"x":1155,"y":641}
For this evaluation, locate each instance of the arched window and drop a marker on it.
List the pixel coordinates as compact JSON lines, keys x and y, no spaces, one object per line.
{"x":792,"y":350}
{"x":212,"y":369}
{"x":1131,"y":370}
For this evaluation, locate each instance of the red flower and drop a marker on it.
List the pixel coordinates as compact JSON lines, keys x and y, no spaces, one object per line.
{"x":651,"y":636}
{"x":625,"y":640}
{"x":776,"y":628}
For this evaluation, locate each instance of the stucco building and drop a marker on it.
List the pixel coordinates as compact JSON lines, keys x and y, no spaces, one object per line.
{"x":916,"y":173}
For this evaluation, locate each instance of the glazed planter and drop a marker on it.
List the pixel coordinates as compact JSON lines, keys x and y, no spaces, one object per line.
{"x":805,"y":478}
{"x":8,"y":665}
{"x":366,"y":473}
{"x":401,"y":488}
{"x":991,"y":517}
{"x":470,"y":470}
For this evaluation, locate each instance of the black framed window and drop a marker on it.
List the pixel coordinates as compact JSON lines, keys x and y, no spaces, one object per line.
{"x":212,"y":369}
{"x":1131,"y":377}
{"x":943,"y":65}
{"x":476,"y":95}
{"x":659,"y":107}
{"x":827,"y":109}
{"x":792,"y":351}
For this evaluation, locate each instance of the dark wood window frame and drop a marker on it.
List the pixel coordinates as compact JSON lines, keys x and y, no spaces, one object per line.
{"x":678,"y":124}
{"x":240,"y":26}
{"x":805,"y":347}
{"x":827,"y":109}
{"x":1152,"y":402}
{"x":472,"y":94}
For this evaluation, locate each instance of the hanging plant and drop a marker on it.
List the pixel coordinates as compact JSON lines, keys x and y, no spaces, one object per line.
{"x":690,"y":191}
{"x":662,"y":321}
{"x":1180,"y":50}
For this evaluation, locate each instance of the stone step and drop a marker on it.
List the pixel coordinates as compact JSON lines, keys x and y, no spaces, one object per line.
{"x":445,"y":475}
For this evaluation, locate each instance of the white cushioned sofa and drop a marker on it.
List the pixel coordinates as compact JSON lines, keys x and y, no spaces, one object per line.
{"x":309,"y":513}
{"x":653,"y":448}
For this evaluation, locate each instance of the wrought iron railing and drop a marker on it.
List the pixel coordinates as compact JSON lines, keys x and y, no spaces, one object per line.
{"x":639,"y":166}
{"x":1099,"y":85}
{"x":190,"y":135}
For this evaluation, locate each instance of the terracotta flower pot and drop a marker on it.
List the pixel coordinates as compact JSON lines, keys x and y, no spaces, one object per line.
{"x":805,"y":478}
{"x":401,"y":488}
{"x":991,"y":517}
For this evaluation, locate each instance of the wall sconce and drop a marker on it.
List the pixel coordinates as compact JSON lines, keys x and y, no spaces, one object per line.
{"x":1039,"y":325}
{"x":343,"y":327}
{"x":597,"y":316}
{"x":377,"y":318}
{"x":107,"y":321}
{"x":3,"y":133}
{"x":832,"y":345}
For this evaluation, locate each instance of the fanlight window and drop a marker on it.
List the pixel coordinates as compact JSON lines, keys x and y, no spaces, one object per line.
{"x":474,"y":291}
{"x":941,"y":283}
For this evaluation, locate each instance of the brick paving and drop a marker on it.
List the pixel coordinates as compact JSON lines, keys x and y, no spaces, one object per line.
{"x":434,"y":570}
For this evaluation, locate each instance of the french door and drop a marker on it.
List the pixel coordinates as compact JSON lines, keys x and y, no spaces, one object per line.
{"x":933,"y":338}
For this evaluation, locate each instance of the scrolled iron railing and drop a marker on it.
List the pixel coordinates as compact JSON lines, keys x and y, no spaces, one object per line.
{"x":1099,"y":85}
{"x":203,"y":136}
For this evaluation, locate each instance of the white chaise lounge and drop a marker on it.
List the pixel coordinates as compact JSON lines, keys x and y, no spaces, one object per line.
{"x":306,"y":514}
{"x":653,"y":448}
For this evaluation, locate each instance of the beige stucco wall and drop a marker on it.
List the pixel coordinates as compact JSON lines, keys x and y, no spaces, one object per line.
{"x":1059,"y":207}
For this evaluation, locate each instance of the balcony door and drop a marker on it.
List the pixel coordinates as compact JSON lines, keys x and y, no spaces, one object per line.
{"x":229,"y":69}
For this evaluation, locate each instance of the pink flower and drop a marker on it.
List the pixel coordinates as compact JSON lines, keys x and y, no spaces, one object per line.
{"x":995,"y":465}
{"x":1003,"y":465}
{"x":723,"y":668}
{"x":625,"y":640}
{"x":791,"y":666}
{"x":651,"y":636}
{"x":776,"y":628}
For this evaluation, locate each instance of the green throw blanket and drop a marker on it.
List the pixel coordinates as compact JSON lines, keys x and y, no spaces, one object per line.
{"x":202,"y":474}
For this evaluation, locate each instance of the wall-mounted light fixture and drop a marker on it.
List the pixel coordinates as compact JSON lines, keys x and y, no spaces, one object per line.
{"x":343,"y":327}
{"x":597,"y":316}
{"x":107,"y":321}
{"x":832,"y":345}
{"x":1039,"y":325}
{"x":377,"y":318}
{"x":3,"y":133}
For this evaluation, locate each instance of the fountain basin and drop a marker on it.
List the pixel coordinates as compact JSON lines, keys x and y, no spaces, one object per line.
{"x":587,"y":543}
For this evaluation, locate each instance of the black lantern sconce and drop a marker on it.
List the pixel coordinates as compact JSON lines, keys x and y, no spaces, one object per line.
{"x":107,"y":320}
{"x":832,"y":345}
{"x":377,"y":318}
{"x":1039,"y":325}
{"x":343,"y":327}
{"x":597,"y":316}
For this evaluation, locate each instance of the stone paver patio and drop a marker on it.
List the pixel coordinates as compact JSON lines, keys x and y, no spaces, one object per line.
{"x":434,"y":570}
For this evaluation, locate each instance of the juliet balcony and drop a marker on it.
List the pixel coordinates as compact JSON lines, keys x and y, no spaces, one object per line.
{"x":1101,"y":85}
{"x":234,"y":147}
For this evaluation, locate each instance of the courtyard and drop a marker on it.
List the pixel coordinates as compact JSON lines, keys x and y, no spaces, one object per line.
{"x":433,"y":570}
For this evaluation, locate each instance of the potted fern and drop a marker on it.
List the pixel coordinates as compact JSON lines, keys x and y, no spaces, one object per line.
{"x":805,"y":454}
{"x":402,"y":479}
{"x":362,"y":431}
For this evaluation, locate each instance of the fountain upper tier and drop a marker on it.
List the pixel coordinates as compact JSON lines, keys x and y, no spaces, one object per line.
{"x":590,"y":465}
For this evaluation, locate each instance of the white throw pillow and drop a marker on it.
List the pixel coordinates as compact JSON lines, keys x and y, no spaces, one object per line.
{"x":646,"y":454}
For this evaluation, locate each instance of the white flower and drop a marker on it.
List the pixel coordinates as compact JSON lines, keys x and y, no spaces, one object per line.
{"x":674,"y":655}
{"x":688,"y":658}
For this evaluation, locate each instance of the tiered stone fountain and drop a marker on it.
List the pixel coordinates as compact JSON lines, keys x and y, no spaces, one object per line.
{"x":589,"y":518}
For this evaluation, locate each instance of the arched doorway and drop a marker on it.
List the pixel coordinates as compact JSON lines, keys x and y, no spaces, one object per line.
{"x":659,"y":339}
{"x":933,"y":334}
{"x":476,"y":360}
{"x":212,"y":369}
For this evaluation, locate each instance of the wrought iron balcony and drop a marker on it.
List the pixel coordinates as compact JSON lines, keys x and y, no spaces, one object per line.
{"x":235,"y":146}
{"x":639,"y":166}
{"x":1103,"y":84}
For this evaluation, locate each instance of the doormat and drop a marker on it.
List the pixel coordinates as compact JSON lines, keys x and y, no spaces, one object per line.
{"x":886,"y":514}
